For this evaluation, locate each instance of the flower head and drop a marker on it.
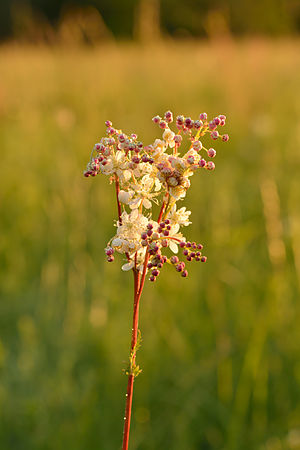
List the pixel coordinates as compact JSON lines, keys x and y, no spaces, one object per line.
{"x":155,"y":174}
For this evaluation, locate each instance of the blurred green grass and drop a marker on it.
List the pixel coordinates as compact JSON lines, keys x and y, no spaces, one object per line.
{"x":220,"y":353}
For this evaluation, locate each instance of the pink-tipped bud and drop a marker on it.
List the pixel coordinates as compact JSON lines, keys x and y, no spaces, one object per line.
{"x":182,"y":244}
{"x":169,"y":116}
{"x":149,"y":232}
{"x":203,"y":116}
{"x":180,"y":120}
{"x":225,"y":137}
{"x":167,"y":222}
{"x":150,"y":226}
{"x":179,"y":267}
{"x":109,"y":251}
{"x":110,"y":130}
{"x":177,"y":139}
{"x":108,"y":123}
{"x":122,"y":137}
{"x":184,"y":274}
{"x":211,"y":152}
{"x":215,"y":134}
{"x":135,"y":159}
{"x":188,"y":122}
{"x":200,"y":246}
{"x":210,"y":165}
{"x":134,"y":136}
{"x":174,"y":259}
{"x":202,"y":163}
{"x":191,"y":160}
{"x":188,"y":244}
{"x":185,"y":252}
{"x":163,"y":124}
{"x":149,"y":265}
{"x":198,"y":124}
{"x":144,"y":235}
{"x":217,"y":121}
{"x":166,"y":232}
{"x":155,"y":272}
{"x":164,"y":243}
{"x":152,"y":278}
{"x":156,"y":119}
{"x":110,"y":258}
{"x":203,"y":259}
{"x":162,"y":224}
{"x":197,"y":145}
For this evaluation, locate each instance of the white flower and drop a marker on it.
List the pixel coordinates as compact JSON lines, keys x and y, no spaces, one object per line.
{"x":158,"y":148}
{"x":181,"y":217}
{"x":143,"y":193}
{"x":140,"y":258}
{"x":128,"y":237}
{"x":176,"y":237}
{"x":168,"y":136}
{"x":116,"y":163}
{"x":177,"y":192}
{"x":125,"y":196}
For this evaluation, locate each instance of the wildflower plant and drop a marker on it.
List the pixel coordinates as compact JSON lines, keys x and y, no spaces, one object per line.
{"x":144,"y":176}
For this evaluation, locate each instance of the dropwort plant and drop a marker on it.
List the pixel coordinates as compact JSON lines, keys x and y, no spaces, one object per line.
{"x":144,"y":175}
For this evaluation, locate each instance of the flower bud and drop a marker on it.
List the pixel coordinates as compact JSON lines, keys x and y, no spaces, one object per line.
{"x":214,"y":135}
{"x":163,"y":124}
{"x":211,"y":152}
{"x":156,"y":119}
{"x":174,"y":259}
{"x":169,"y":116}
{"x":203,"y":116}
{"x":189,"y":123}
{"x":197,"y":145}
{"x":210,"y":165}
{"x":177,"y":139}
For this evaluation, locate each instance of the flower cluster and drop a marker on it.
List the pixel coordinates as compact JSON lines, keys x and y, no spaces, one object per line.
{"x":158,"y":174}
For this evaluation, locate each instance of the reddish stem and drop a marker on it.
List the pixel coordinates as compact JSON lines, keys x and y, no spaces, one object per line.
{"x":129,"y":392}
{"x":162,"y":209}
{"x":138,"y":289}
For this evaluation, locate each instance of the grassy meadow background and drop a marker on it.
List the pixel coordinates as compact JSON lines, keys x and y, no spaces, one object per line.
{"x":221,"y":350}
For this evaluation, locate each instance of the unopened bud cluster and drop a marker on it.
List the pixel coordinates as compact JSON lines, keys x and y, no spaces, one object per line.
{"x":159,"y":174}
